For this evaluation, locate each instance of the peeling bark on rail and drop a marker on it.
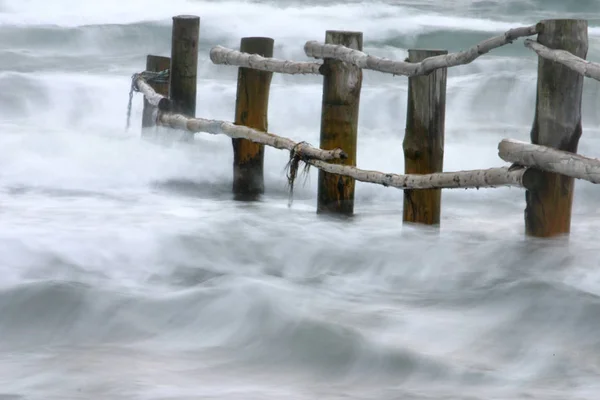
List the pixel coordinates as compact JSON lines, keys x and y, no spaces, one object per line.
{"x":178,"y":121}
{"x":549,"y":159}
{"x":363,"y":60}
{"x":586,"y":68}
{"x":474,"y":179}
{"x":225,"y":56}
{"x":153,"y":98}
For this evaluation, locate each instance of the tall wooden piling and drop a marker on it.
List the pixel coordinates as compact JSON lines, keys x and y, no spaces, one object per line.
{"x":251,"y":109}
{"x":342,"y":83}
{"x":184,"y":63}
{"x":154,"y":64}
{"x":424,"y":138}
{"x":557,"y":124}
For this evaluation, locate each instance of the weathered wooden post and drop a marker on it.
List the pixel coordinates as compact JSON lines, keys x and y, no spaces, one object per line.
{"x":424,"y":138}
{"x":557,"y":124}
{"x":251,"y":109}
{"x":342,"y":83}
{"x":184,"y":63}
{"x":154,"y":64}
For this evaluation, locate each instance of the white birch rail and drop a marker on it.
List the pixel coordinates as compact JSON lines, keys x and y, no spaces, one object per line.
{"x":178,"y":121}
{"x":549,"y":159}
{"x":153,"y":98}
{"x":586,"y":68}
{"x":493,"y":177}
{"x":474,"y":179}
{"x":363,"y":60}
{"x":225,"y":56}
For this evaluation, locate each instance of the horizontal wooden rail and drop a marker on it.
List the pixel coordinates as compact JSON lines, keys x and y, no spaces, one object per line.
{"x":215,"y":127}
{"x":153,"y":98}
{"x":586,"y":68}
{"x":472,"y":179}
{"x":363,"y":60}
{"x":225,"y":56}
{"x":492,"y":177}
{"x":178,"y":121}
{"x":549,"y":159}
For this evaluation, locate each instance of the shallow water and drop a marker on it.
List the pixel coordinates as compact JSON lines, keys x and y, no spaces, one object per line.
{"x":128,"y":272}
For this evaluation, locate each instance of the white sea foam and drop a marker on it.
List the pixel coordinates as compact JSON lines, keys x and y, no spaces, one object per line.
{"x":127,"y":271}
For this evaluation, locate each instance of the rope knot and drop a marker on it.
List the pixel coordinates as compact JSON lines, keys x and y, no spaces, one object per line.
{"x":292,"y":168}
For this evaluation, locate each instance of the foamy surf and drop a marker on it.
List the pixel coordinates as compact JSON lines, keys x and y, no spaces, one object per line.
{"x":129,"y":272}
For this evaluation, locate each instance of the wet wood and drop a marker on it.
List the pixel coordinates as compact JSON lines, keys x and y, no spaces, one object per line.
{"x":154,"y":99}
{"x":224,"y":56}
{"x":154,"y":64}
{"x":184,"y":63}
{"x":551,"y":160}
{"x":251,"y":110}
{"x":424,"y":138}
{"x":216,"y":127}
{"x":557,"y":124}
{"x":473,"y":179}
{"x":586,"y":68}
{"x":492,"y":177}
{"x":339,"y":121}
{"x":363,"y":60}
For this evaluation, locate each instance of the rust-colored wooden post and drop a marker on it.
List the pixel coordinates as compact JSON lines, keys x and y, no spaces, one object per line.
{"x":424,"y":138}
{"x":557,"y":124}
{"x":184,"y":64}
{"x":251,"y":109}
{"x":154,"y":64}
{"x":342,"y":83}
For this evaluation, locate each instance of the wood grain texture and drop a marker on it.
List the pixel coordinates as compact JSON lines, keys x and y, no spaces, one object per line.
{"x":216,"y":127}
{"x":550,"y":160}
{"x":224,"y":56}
{"x":154,"y":64}
{"x":184,"y":63}
{"x":492,"y":177}
{"x":154,"y":99}
{"x":423,"y":143}
{"x":358,"y":58}
{"x":339,"y":123}
{"x":251,"y":110}
{"x":473,"y":179}
{"x":586,"y":68}
{"x":557,"y":124}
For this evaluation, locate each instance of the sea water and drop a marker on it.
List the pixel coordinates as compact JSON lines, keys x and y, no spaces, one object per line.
{"x":127,"y":270}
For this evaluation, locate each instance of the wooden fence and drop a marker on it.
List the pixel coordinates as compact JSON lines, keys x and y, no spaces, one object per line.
{"x":545,"y":168}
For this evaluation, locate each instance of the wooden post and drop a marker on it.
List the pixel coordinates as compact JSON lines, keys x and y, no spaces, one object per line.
{"x":339,"y":120}
{"x":557,"y":124}
{"x":424,"y":138}
{"x":251,"y":110}
{"x":154,"y":64}
{"x":184,"y":63}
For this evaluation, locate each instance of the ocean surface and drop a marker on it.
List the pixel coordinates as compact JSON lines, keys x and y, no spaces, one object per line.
{"x":127,"y":270}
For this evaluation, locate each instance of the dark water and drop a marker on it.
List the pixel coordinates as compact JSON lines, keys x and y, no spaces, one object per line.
{"x":127,"y":271}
